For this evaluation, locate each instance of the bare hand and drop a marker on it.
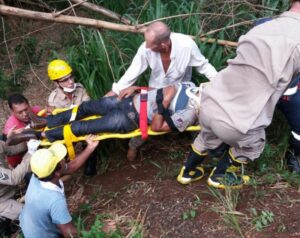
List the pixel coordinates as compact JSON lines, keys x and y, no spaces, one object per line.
{"x":110,"y":94}
{"x":14,"y":131}
{"x":91,"y":141}
{"x":49,"y":109}
{"x":169,"y":93}
{"x":127,"y":92}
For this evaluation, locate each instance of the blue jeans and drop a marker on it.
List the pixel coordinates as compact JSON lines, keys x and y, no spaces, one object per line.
{"x":117,"y":116}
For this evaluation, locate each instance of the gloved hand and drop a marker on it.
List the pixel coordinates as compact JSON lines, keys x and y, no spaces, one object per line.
{"x":33,"y":145}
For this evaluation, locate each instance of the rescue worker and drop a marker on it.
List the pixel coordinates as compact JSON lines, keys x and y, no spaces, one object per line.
{"x":239,"y":103}
{"x":289,"y":105}
{"x":170,"y":57}
{"x":68,"y":94}
{"x":10,"y":208}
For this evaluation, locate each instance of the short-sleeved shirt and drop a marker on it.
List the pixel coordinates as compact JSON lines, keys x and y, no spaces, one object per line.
{"x":59,"y":99}
{"x":10,"y":123}
{"x":45,"y":207}
{"x":185,"y":54}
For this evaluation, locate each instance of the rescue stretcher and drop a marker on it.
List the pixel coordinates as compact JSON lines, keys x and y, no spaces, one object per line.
{"x":70,"y":138}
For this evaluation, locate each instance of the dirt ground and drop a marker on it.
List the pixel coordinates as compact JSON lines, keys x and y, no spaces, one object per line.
{"x":144,"y":195}
{"x":146,"y":191}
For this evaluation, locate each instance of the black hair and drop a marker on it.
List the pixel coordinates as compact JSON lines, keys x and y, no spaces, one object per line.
{"x":16,"y":99}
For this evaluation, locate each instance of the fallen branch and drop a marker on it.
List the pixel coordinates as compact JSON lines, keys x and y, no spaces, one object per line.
{"x":17,"y":12}
{"x":103,"y":11}
{"x":219,"y":42}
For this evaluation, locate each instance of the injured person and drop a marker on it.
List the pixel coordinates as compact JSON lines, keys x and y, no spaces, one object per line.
{"x":173,"y":108}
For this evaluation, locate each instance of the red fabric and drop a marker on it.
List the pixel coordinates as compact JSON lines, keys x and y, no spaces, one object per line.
{"x":11,"y":122}
{"x":143,"y":113}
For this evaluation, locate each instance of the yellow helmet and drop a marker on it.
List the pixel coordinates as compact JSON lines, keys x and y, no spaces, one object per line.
{"x":58,"y":69}
{"x":44,"y":161}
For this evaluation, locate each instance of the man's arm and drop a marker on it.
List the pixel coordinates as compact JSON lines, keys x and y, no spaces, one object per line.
{"x":138,"y":66}
{"x":201,"y":63}
{"x":67,"y":230}
{"x":85,"y":96}
{"x":75,"y":164}
{"x":15,"y":176}
{"x":158,"y":122}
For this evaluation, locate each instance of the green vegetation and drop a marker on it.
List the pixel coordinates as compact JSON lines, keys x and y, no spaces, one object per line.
{"x":190,"y":214}
{"x":100,"y":57}
{"x":262,"y":219}
{"x":227,"y":207}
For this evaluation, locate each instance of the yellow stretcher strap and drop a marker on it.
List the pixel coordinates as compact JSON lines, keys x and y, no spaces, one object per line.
{"x":69,"y":137}
{"x":74,"y":113}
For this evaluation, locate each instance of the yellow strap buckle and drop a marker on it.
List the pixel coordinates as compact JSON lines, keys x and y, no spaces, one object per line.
{"x":69,"y":137}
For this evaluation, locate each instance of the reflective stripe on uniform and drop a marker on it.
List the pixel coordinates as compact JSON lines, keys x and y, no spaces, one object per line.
{"x":296,"y":136}
{"x":291,"y":91}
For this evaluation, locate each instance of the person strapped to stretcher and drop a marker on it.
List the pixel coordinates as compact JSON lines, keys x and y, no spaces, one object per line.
{"x":171,"y":108}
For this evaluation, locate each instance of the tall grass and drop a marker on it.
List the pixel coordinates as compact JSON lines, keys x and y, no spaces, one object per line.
{"x":105,"y":55}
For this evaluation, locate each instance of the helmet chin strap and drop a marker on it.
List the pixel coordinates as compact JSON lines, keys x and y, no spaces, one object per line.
{"x":69,"y":90}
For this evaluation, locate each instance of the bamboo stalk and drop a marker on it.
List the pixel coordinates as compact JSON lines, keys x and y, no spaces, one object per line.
{"x":103,"y":11}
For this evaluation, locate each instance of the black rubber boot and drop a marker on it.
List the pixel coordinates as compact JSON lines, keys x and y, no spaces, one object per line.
{"x":292,"y":162}
{"x":91,"y":165}
{"x":224,"y":174}
{"x":191,"y":172}
{"x":292,"y":156}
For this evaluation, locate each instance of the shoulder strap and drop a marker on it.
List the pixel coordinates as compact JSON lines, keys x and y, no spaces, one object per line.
{"x":143,"y":113}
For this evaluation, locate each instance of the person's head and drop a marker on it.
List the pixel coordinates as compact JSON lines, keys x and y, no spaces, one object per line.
{"x":19,"y":107}
{"x":60,"y":72}
{"x":46,"y":163}
{"x":157,"y":37}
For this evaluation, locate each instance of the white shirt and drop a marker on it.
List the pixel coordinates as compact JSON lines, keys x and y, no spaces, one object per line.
{"x":185,"y":54}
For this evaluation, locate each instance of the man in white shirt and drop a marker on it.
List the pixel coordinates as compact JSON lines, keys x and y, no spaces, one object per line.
{"x":170,"y":56}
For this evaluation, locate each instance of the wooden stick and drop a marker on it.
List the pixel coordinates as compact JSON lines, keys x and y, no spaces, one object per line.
{"x":56,"y":14}
{"x":17,"y":12}
{"x":104,"y":11}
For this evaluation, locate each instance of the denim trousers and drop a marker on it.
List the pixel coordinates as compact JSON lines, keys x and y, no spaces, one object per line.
{"x":117,"y":116}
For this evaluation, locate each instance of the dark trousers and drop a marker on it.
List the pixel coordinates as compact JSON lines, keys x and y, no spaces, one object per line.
{"x":290,"y":107}
{"x":117,"y":116}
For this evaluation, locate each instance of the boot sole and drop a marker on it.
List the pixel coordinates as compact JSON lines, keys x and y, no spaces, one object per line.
{"x":184,"y":182}
{"x":246,"y":180}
